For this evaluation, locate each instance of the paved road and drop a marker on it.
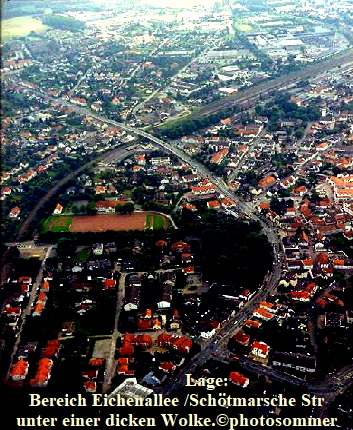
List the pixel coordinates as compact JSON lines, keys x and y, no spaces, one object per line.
{"x":242,"y":207}
{"x":28,"y":310}
{"x":110,"y":365}
{"x":172,"y":79}
{"x":243,"y":157}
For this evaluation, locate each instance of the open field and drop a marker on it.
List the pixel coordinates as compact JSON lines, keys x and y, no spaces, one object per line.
{"x":20,"y":26}
{"x":82,"y":255}
{"x":159,"y":222}
{"x":57,"y":223}
{"x":179,"y":3}
{"x":104,"y":222}
{"x":244,"y":27}
{"x":149,"y":222}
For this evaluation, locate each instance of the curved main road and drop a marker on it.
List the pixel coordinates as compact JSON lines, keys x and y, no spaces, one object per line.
{"x":241,"y":206}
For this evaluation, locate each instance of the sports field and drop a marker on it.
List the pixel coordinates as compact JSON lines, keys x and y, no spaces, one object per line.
{"x":156,"y":221}
{"x":104,"y":222}
{"x":57,"y":223}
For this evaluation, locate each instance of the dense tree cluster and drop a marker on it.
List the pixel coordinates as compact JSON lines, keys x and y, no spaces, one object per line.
{"x":233,"y":252}
{"x":128,"y":208}
{"x":63,"y":22}
{"x":188,"y":126}
{"x":282,"y":108}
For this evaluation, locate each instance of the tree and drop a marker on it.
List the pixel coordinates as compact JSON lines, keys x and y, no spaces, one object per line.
{"x":63,"y":22}
{"x":128,"y":208}
{"x":299,"y":133}
{"x":91,"y":208}
{"x":65,"y":248}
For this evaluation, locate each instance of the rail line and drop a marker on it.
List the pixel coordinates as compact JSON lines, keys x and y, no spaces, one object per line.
{"x":280,"y":83}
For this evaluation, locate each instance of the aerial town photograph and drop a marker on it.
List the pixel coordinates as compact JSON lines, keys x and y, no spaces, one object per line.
{"x":176,"y":213}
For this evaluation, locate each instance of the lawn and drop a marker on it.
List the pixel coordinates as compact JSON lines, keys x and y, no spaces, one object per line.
{"x":20,"y":26}
{"x":57,"y":223}
{"x":149,"y":222}
{"x":178,"y":120}
{"x":82,"y":255}
{"x":128,"y":192}
{"x":158,"y":222}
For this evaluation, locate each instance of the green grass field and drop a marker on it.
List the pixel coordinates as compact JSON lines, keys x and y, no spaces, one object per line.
{"x":180,"y":119}
{"x":149,"y":222}
{"x":59,"y":223}
{"x":158,"y":222}
{"x":83,"y":255}
{"x":20,"y":26}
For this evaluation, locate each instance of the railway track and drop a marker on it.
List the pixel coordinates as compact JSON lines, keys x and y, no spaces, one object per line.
{"x":281,"y":83}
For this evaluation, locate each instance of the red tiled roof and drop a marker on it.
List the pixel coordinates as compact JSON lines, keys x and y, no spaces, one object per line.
{"x":110,"y":283}
{"x":260,"y":346}
{"x":252,"y":323}
{"x":241,"y":337}
{"x":238,"y":379}
{"x":126,"y":349}
{"x":180,"y":246}
{"x":213,"y":204}
{"x":267,"y":181}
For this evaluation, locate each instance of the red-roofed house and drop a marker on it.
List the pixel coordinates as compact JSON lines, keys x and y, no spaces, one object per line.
{"x":219,"y":156}
{"x":301,"y":296}
{"x":180,"y":246}
{"x":100,"y":189}
{"x":322,"y":260}
{"x":182,"y":344}
{"x":262,"y":314}
{"x":308,"y":264}
{"x":58,"y":209}
{"x":19,"y":371}
{"x":144,"y":340}
{"x":167,"y":367}
{"x":213,"y":204}
{"x":164,"y":339}
{"x":96,"y":362}
{"x":252,"y":323}
{"x":126,"y":349}
{"x":90,"y":386}
{"x":14,"y":212}
{"x":259,"y":349}
{"x":242,"y":338}
{"x":267,"y":181}
{"x":238,"y":379}
{"x":189,"y":206}
{"x":204,"y":189}
{"x":227,"y":202}
{"x":109,"y":284}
